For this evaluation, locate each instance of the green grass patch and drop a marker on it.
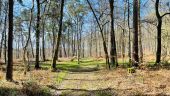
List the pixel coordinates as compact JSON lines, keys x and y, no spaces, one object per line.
{"x":60,"y":77}
{"x":72,"y":65}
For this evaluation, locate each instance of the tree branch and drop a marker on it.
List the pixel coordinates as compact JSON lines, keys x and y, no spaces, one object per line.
{"x":165,"y":14}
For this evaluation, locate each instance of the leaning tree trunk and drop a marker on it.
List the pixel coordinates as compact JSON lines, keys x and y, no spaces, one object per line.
{"x":27,"y":67}
{"x":9,"y":69}
{"x":59,"y":37}
{"x":103,"y":39}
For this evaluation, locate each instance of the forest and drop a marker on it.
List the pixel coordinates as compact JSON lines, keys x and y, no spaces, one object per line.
{"x":84,"y":47}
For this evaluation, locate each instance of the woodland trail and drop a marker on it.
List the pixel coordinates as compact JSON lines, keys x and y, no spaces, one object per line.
{"x":118,"y":82}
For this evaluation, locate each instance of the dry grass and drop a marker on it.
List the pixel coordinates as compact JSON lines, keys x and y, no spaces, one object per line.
{"x":141,"y":82}
{"x":85,"y":80}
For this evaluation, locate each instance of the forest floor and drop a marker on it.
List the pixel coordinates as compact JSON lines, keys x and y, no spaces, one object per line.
{"x":89,"y":78}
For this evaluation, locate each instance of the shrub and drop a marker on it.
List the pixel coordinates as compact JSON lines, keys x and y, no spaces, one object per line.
{"x":31,"y":88}
{"x":8,"y":92}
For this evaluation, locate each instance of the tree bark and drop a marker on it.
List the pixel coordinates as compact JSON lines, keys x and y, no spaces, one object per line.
{"x":140,"y":35}
{"x":37,"y":66}
{"x":27,"y":67}
{"x":135,"y":33}
{"x":113,"y":52}
{"x":59,"y":37}
{"x":9,"y":70}
{"x":43,"y":36}
{"x":3,"y":34}
{"x":129,"y":53}
{"x":159,"y":26}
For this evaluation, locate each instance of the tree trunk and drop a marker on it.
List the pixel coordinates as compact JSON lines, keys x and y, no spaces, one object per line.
{"x":101,"y":31}
{"x":159,"y":27}
{"x":32,"y":49}
{"x":17,"y":50}
{"x":54,"y":38}
{"x":9,"y":69}
{"x":37,"y":66}
{"x":3,"y":34}
{"x":78,"y":42}
{"x":91,"y":42}
{"x":43,"y":36}
{"x":135,"y":33}
{"x":123,"y":34}
{"x":83,"y":55}
{"x":64,"y":47}
{"x":59,"y":37}
{"x":5,"y":48}
{"x":130,"y":57}
{"x":27,"y":67}
{"x":140,"y":35}
{"x":113,"y":53}
{"x":68,"y":42}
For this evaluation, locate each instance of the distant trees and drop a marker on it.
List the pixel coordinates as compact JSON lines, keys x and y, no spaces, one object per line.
{"x":9,"y":69}
{"x":77,"y":11}
{"x":108,"y":27}
{"x":102,"y":35}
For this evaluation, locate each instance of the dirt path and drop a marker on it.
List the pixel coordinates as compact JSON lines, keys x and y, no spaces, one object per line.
{"x":142,"y":82}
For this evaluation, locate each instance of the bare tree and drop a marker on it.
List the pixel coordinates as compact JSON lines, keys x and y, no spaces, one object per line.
{"x":103,"y":39}
{"x":159,"y":31}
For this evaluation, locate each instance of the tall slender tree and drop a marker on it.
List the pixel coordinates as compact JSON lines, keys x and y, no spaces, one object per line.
{"x":129,"y":42}
{"x":4,"y":31}
{"x":43,"y":34}
{"x":113,"y":52}
{"x":159,"y":31}
{"x":59,"y":37}
{"x":140,"y":34}
{"x":28,"y":40}
{"x":37,"y":66}
{"x":9,"y":71}
{"x":102,"y":34}
{"x":135,"y":33}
